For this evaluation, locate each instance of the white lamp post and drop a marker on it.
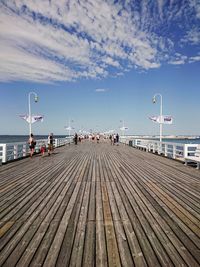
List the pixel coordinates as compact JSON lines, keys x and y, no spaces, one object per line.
{"x":161,"y":110}
{"x":122,"y":128}
{"x":29,"y":109}
{"x":69,"y":128}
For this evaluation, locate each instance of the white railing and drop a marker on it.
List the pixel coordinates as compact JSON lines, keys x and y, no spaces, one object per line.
{"x":168,"y":149}
{"x":13,"y":151}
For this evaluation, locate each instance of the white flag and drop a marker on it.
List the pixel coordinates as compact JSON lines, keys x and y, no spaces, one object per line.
{"x":165,"y":119}
{"x":69,"y":128}
{"x":124,"y":128}
{"x":155,"y":119}
{"x":25,"y":117}
{"x":34,"y":118}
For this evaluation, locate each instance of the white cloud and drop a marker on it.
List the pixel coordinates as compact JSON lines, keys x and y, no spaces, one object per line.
{"x":194,"y":59}
{"x":64,"y":40}
{"x":178,"y":59}
{"x":100,"y":90}
{"x":110,"y":61}
{"x":192,"y":36}
{"x":196,"y":5}
{"x":177,"y":62}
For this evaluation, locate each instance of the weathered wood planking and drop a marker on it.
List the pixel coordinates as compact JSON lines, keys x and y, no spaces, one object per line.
{"x":99,"y":205}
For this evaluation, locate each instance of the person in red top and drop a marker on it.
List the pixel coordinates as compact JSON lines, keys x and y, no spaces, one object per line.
{"x":43,"y":149}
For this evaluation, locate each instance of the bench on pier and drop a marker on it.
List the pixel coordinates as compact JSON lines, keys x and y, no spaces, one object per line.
{"x":195,"y":158}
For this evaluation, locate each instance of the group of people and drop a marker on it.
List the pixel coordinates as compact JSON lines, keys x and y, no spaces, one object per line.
{"x":32,"y":144}
{"x":90,"y":137}
{"x":114,"y":139}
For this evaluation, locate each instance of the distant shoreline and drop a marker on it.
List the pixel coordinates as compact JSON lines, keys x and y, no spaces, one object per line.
{"x":165,"y":137}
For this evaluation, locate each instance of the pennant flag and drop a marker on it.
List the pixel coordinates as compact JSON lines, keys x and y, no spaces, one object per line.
{"x":124,"y":128}
{"x":69,"y":128}
{"x":155,"y":119}
{"x":25,"y":117}
{"x":165,"y":119}
{"x":34,"y":118}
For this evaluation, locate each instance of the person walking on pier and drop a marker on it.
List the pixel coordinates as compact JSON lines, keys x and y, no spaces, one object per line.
{"x":76,"y":139}
{"x":117,"y":139}
{"x":43,"y":148}
{"x":50,"y":144}
{"x":111,"y":139}
{"x":97,"y":137}
{"x":32,"y":144}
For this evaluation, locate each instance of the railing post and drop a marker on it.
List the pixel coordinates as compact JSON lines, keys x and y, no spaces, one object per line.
{"x":165,"y":150}
{"x":149,"y":147}
{"x":24,"y":150}
{"x":4,"y":153}
{"x":136,"y":142}
{"x":174,"y":152}
{"x":185,"y":151}
{"x":15,"y":151}
{"x":159,"y":148}
{"x":56,"y":142}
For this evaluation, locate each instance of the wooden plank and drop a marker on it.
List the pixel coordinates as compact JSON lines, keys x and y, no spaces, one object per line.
{"x":68,"y":240}
{"x":78,"y":246}
{"x":135,"y":249}
{"x":49,"y":198}
{"x":123,"y":245}
{"x":89,"y":244}
{"x":56,"y":244}
{"x":148,"y":241}
{"x":101,"y":252}
{"x":31,"y":206}
{"x":45,"y":244}
{"x":189,"y":244}
{"x":112,"y":248}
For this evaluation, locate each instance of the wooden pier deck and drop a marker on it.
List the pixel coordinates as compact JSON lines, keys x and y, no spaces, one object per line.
{"x":99,"y":205}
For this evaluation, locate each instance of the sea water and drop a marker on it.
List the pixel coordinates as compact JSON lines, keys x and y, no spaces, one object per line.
{"x":4,"y":139}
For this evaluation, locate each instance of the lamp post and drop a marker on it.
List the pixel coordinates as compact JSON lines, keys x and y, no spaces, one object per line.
{"x":161,"y":110}
{"x":122,"y":128}
{"x":69,"y":128}
{"x":29,"y":109}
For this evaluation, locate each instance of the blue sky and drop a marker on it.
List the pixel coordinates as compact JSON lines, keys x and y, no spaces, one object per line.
{"x":99,"y":62}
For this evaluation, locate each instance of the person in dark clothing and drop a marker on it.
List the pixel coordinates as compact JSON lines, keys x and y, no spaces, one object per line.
{"x":117,"y":138}
{"x":76,"y":139}
{"x":32,"y":144}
